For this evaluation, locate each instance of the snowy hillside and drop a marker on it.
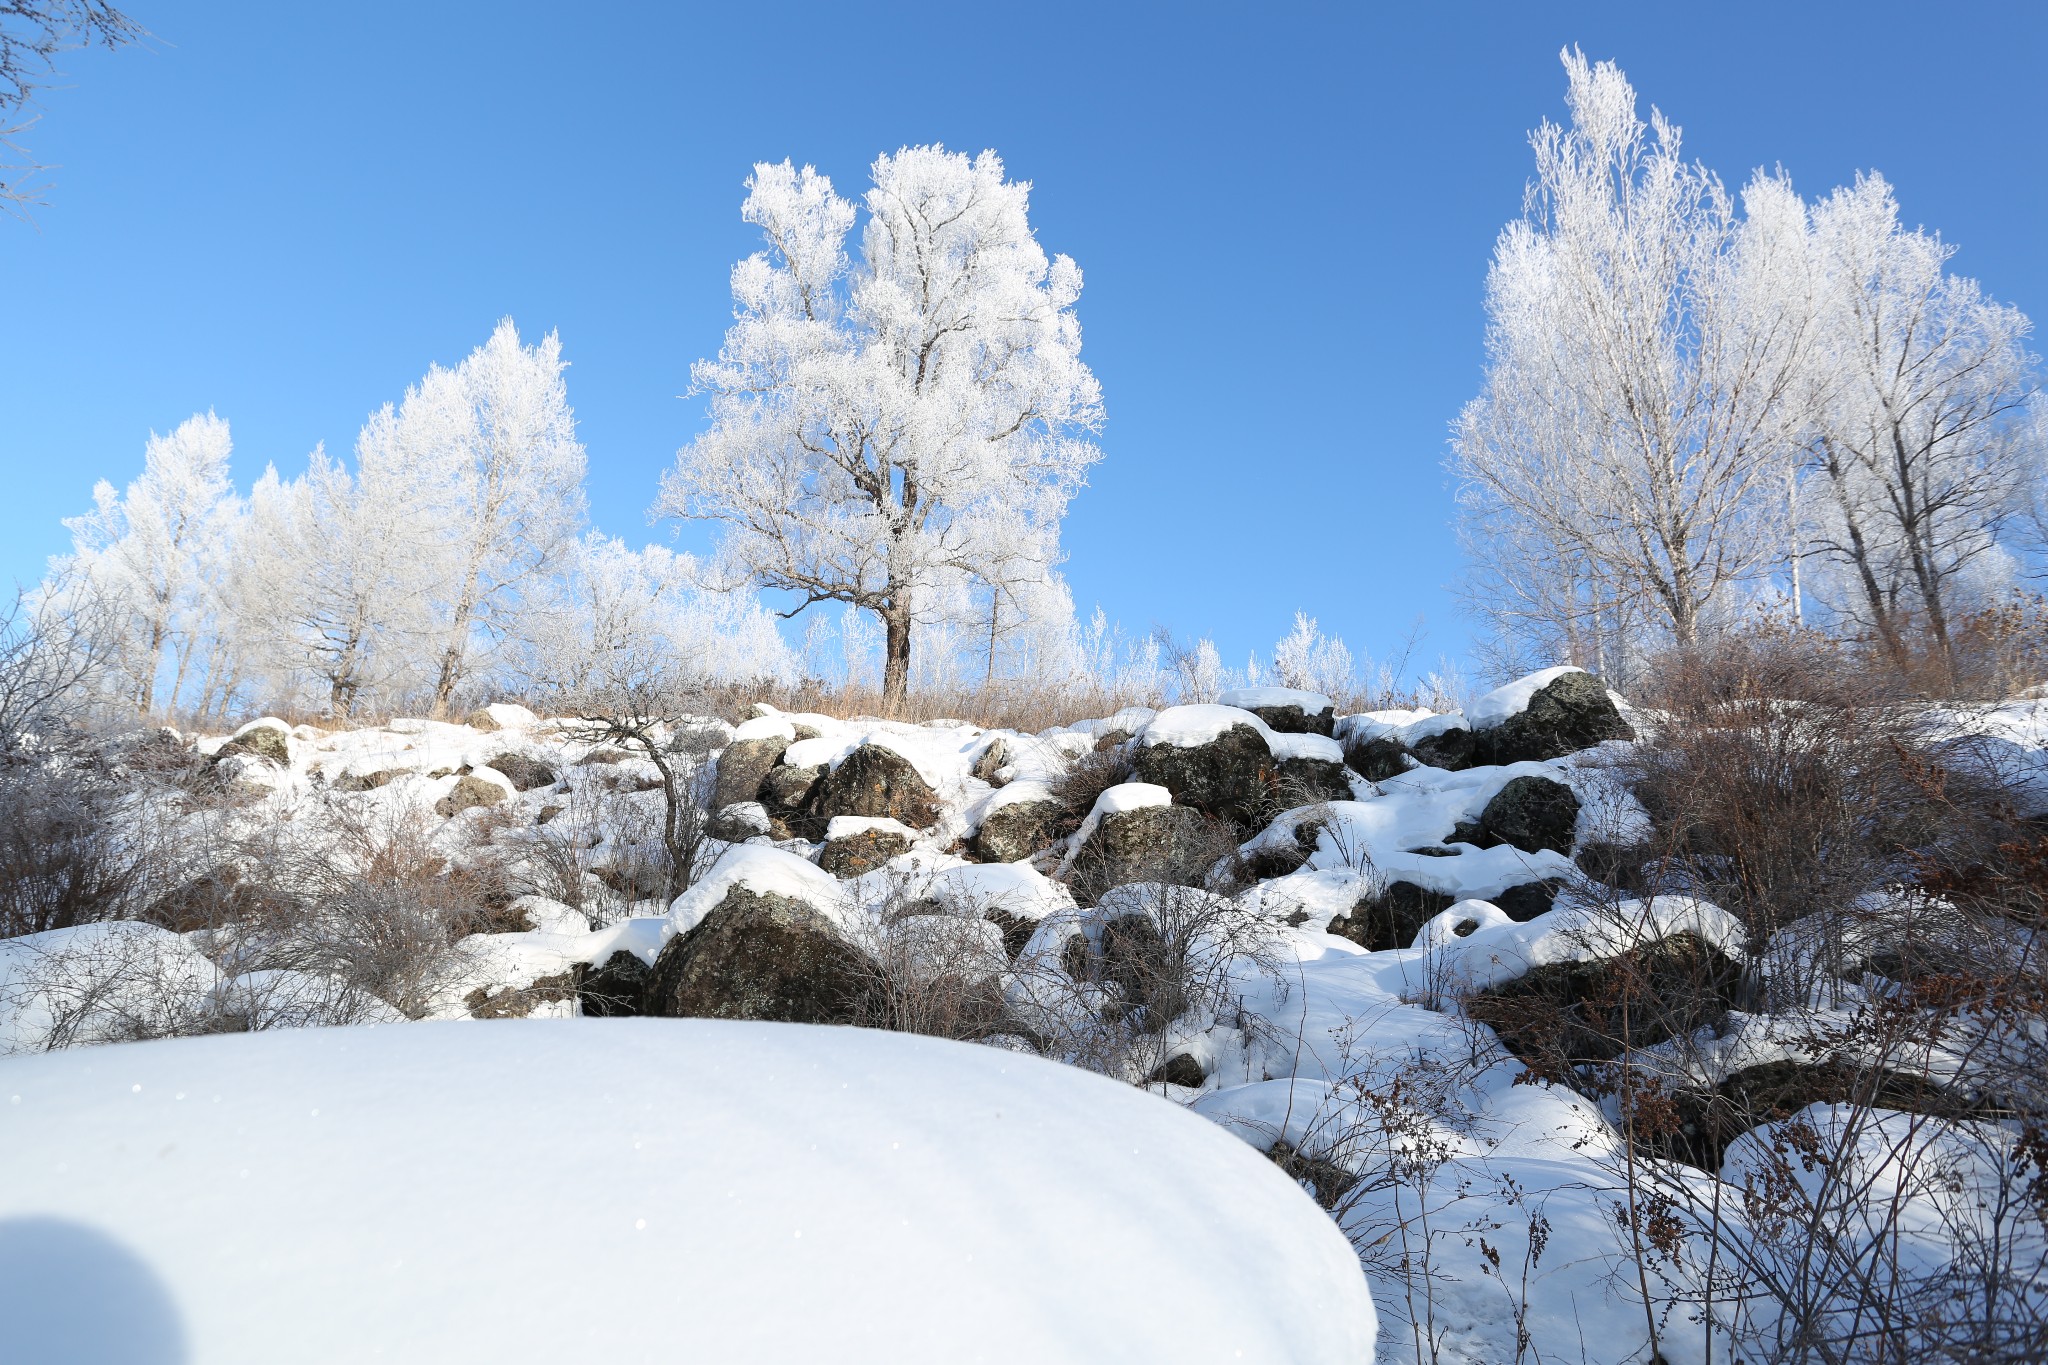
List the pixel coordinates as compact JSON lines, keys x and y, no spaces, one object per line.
{"x":1369,"y":947}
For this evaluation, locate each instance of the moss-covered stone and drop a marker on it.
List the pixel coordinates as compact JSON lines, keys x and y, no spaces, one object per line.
{"x":1532,"y":813}
{"x":758,"y":955}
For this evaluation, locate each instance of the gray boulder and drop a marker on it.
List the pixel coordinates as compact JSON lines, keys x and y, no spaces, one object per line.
{"x":1307,"y":781}
{"x":742,"y":766}
{"x":1173,"y":844}
{"x":1291,"y":719}
{"x":1453,"y":750}
{"x":469,"y":792}
{"x":1230,"y":776}
{"x":853,"y":855}
{"x":875,"y":781}
{"x":1532,"y":813}
{"x":1377,"y":759}
{"x":1569,"y":713}
{"x":272,"y":742}
{"x":758,"y":955}
{"x":1016,"y":831}
{"x":526,"y":772}
{"x":1392,"y":918}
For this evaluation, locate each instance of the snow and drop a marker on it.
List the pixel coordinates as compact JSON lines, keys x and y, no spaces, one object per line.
{"x":1185,"y":727}
{"x":759,"y":1192}
{"x":763,"y":869}
{"x":1584,"y":933}
{"x":1311,"y":703}
{"x":98,"y":983}
{"x":853,"y":826}
{"x":1513,"y":698}
{"x":1286,"y":746}
{"x":765,"y":727}
{"x":508,"y":715}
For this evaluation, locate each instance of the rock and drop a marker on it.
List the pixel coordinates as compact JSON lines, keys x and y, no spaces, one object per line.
{"x":1622,"y":866}
{"x":364,"y":782}
{"x":1563,"y":1015}
{"x":875,"y":781}
{"x":785,"y":789}
{"x":1450,"y":749}
{"x":1391,"y":919}
{"x":992,"y":760}
{"x":1146,"y":970}
{"x":851,"y":854}
{"x":266,"y":739}
{"x":1016,"y":930}
{"x":758,"y":955}
{"x":1569,"y":713}
{"x":1264,"y":860}
{"x":740,"y":820}
{"x":518,"y":1002}
{"x":1533,"y":813}
{"x":482,"y":719}
{"x":1708,"y":1120}
{"x":742,"y":767}
{"x":1229,"y":776}
{"x":1306,"y":781}
{"x":1525,"y":902}
{"x":1378,"y":759}
{"x":1179,"y":1069}
{"x":1172,"y":844}
{"x":1014,"y":832}
{"x":1288,"y":710}
{"x":617,"y":989}
{"x":1328,"y":1182}
{"x":525,"y":771}
{"x":471,"y":791}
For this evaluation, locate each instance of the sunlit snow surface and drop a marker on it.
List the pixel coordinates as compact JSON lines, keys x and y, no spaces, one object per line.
{"x":640,"y":1190}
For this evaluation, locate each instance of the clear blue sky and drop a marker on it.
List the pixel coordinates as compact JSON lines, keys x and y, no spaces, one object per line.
{"x":285,"y":212}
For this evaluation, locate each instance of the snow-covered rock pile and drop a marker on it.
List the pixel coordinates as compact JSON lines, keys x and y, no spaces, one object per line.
{"x":1364,"y":943}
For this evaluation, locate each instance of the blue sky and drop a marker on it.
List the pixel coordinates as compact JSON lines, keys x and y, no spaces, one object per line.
{"x":285,"y":213}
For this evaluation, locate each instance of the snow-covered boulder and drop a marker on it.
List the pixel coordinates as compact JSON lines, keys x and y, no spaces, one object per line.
{"x":1014,"y":821}
{"x":1545,"y":715}
{"x":876,"y":780}
{"x":1532,"y":813}
{"x":484,"y":787}
{"x":268,"y":738}
{"x":761,"y":937}
{"x":1215,"y":758}
{"x":1583,"y":985}
{"x":502,"y":715}
{"x":1135,"y":833}
{"x":856,"y":844}
{"x":1287,"y":710}
{"x":799,"y":1195}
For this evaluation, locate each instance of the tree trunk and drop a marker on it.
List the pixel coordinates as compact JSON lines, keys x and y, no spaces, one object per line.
{"x":896,"y":660}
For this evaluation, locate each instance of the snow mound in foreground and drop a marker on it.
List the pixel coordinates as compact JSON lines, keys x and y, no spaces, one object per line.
{"x":642,"y":1190}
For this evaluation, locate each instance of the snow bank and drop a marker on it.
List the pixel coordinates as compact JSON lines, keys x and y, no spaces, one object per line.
{"x":99,"y":983}
{"x":757,"y":1192}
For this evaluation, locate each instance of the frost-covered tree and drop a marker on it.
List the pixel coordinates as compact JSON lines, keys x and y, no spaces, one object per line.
{"x":152,"y":555}
{"x":1308,"y":659}
{"x":879,"y":424}
{"x":1633,"y":432}
{"x":1920,"y":443}
{"x":612,"y":601}
{"x":490,"y":448}
{"x":32,"y":35}
{"x":333,"y":577}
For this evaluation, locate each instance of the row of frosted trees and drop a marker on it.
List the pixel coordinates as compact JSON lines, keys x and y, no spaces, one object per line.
{"x":450,"y":556}
{"x":1698,"y":404}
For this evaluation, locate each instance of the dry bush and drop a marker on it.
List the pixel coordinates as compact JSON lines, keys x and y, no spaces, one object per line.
{"x":370,"y":902}
{"x":1787,"y":778}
